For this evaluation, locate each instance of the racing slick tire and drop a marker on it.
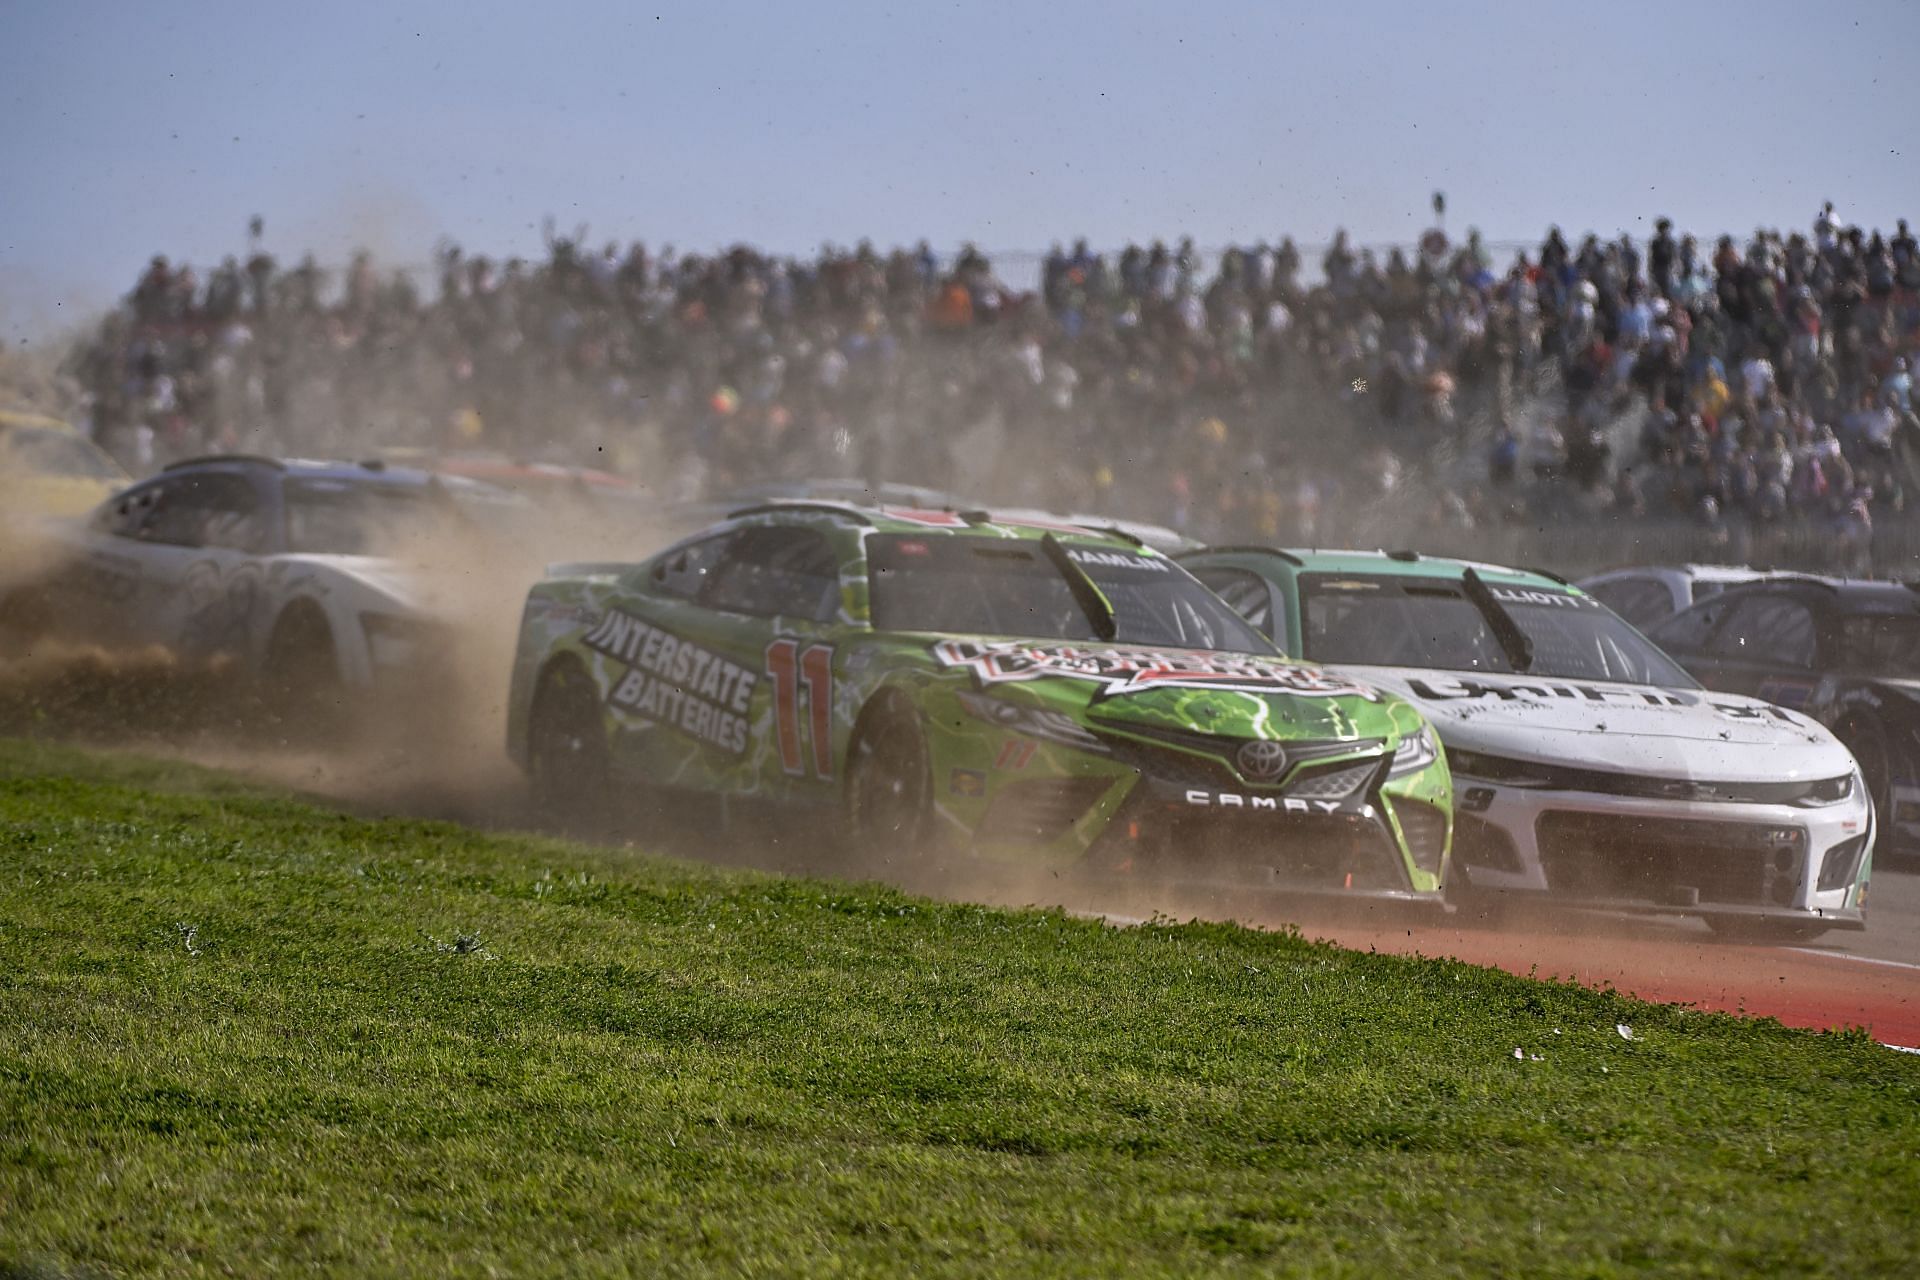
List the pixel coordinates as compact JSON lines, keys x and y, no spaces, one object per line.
{"x":1869,"y":747}
{"x":889,"y":790}
{"x":304,"y":695}
{"x":567,"y":749}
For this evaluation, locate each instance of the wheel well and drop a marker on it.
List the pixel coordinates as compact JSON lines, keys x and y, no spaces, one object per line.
{"x":887,"y":702}
{"x":301,"y":613}
{"x":550,"y":670}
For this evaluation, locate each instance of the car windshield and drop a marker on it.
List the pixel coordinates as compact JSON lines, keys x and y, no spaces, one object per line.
{"x":1880,"y":644}
{"x":993,"y":587}
{"x":1386,"y":621}
{"x":335,"y":517}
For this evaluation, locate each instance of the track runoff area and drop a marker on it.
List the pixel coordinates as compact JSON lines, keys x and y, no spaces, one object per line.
{"x":1869,"y":979}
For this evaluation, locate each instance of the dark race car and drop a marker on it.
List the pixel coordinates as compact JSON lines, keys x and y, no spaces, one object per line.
{"x":1845,"y":652}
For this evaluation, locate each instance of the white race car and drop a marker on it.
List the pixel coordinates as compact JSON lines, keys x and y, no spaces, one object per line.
{"x":287,"y":566}
{"x":1588,"y":767}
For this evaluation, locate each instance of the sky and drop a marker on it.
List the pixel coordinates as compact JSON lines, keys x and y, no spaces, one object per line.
{"x":133,"y":129}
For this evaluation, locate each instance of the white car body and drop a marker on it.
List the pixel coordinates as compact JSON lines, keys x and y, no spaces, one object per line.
{"x":222,"y":583}
{"x":1629,"y":766}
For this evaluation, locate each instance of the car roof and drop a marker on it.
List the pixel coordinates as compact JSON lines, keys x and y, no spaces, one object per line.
{"x":372,"y":471}
{"x":1399,"y":564}
{"x":1018,"y":526}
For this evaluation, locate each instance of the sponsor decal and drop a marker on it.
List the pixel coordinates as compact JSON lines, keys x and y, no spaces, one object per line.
{"x":1258,"y":804}
{"x":1452,"y":689}
{"x":1123,"y":671}
{"x":971,"y":783}
{"x":792,"y":669}
{"x":1116,"y":559}
{"x":1551,"y":599}
{"x":674,"y":681}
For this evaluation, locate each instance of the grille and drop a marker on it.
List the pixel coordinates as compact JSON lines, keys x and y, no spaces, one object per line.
{"x":1293,"y":852}
{"x":1178,"y":763}
{"x":1842,"y":863}
{"x":1425,"y":829}
{"x":1670,"y":862}
{"x":1336,"y":783}
{"x":1040,"y":810}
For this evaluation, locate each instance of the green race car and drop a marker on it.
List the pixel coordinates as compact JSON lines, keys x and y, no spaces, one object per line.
{"x":1051,"y":694}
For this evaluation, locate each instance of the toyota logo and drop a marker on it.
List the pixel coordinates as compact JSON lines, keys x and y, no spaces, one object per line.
{"x":1261,"y":761}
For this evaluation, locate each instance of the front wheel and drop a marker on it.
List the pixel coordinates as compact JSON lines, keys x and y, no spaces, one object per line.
{"x":567,"y":748}
{"x":889,"y":788}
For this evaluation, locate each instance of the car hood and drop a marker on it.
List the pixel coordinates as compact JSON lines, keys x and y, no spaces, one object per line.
{"x":1200,"y":691}
{"x":1621,"y":728}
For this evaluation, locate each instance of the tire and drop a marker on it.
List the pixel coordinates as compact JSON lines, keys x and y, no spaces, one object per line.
{"x":889,"y":790}
{"x":567,"y":749}
{"x":1869,"y":747}
{"x":304,"y":695}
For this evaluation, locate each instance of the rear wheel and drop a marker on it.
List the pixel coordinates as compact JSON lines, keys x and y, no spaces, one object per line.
{"x":889,"y":794}
{"x":567,"y":748}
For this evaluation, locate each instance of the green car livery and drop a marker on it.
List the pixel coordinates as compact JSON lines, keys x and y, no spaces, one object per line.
{"x":1051,"y":694}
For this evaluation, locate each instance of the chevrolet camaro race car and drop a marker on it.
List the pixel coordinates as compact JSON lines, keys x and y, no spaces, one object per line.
{"x":1845,"y":652}
{"x":286,"y":566}
{"x":928,"y":679}
{"x":1588,"y":765}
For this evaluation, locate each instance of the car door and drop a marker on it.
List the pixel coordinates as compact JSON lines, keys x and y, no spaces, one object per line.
{"x":196,"y":580}
{"x":648,"y":647}
{"x":772,"y":606}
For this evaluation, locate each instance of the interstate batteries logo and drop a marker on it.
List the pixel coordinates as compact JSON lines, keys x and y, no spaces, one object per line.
{"x":1121,"y":671}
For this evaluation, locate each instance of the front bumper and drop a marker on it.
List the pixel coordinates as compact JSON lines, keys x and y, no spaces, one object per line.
{"x":1173,"y":831}
{"x":1706,"y":858}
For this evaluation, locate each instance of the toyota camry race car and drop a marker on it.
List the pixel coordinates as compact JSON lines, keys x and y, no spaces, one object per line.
{"x":919,"y":679}
{"x":1587,"y":764}
{"x":287,"y":566}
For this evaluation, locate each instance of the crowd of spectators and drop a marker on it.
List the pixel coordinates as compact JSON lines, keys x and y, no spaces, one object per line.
{"x":1246,"y":392}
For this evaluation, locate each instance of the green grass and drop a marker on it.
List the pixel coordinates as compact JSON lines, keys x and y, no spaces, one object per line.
{"x":243,"y":1034}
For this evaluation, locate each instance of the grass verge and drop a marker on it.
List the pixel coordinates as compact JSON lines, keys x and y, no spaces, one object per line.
{"x":245,"y":1034}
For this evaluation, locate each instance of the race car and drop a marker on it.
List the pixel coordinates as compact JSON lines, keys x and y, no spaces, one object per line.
{"x":1589,"y":767}
{"x":1649,"y":594}
{"x":286,"y":566}
{"x":1845,"y":652}
{"x":923,"y":680}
